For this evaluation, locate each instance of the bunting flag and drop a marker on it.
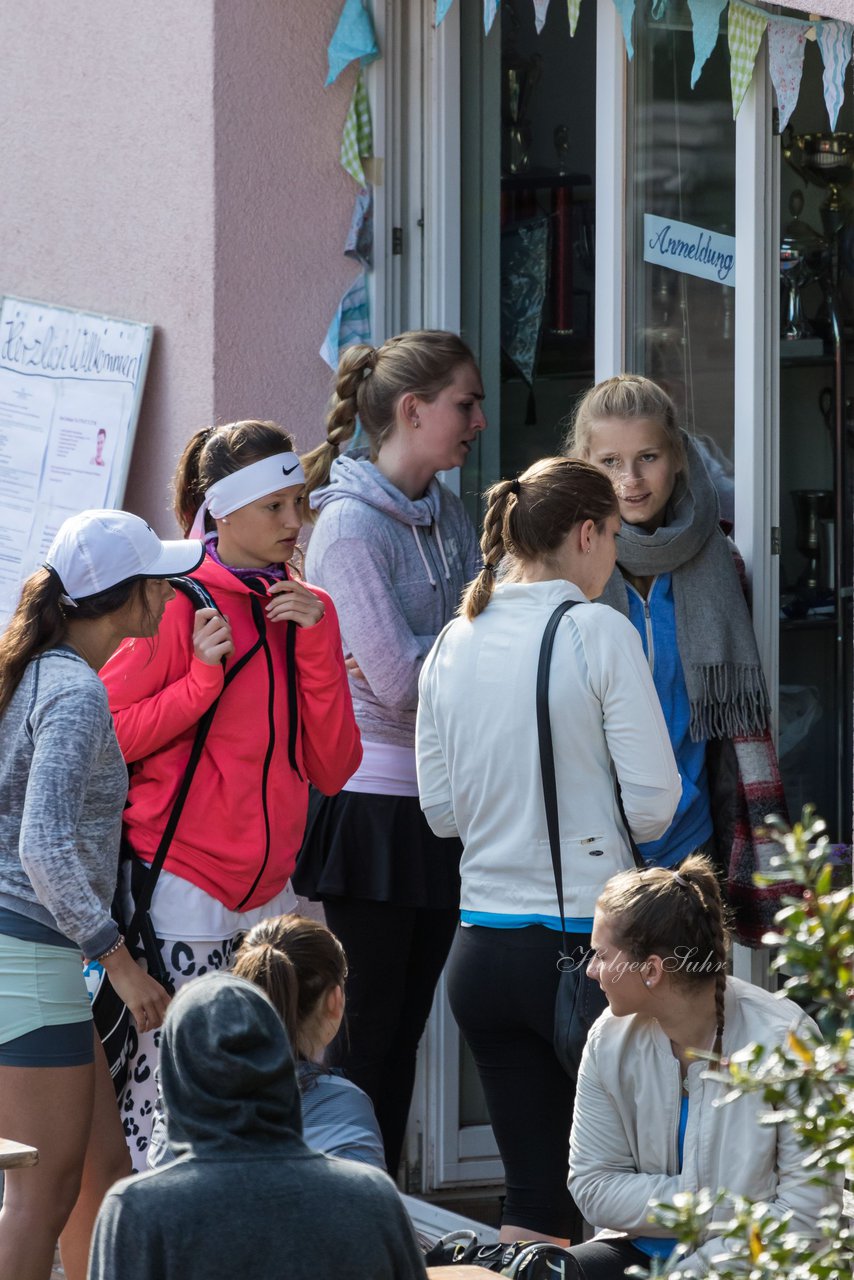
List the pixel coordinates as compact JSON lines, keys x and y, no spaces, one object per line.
{"x":354,"y":37}
{"x":573,"y":7}
{"x":541,"y":8}
{"x":626,"y":10}
{"x":787,"y":42}
{"x":360,"y":238}
{"x":835,"y":40}
{"x":490,"y":9}
{"x":746,"y":27}
{"x":706,"y":23}
{"x":351,"y":322}
{"x":442,"y":7}
{"x":658,"y":9}
{"x":357,"y":140}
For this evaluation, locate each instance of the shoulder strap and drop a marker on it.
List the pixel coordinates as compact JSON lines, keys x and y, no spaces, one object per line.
{"x":547,"y":761}
{"x":547,"y":758}
{"x":201,"y":599}
{"x":195,"y":591}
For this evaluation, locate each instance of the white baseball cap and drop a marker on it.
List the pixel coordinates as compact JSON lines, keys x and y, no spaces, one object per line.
{"x":96,"y":550}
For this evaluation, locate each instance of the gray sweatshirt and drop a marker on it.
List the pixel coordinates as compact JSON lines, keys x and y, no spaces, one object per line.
{"x":246,"y":1197}
{"x":63,"y":785}
{"x":396,"y":568}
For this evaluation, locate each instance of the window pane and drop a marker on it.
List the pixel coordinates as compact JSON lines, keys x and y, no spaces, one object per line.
{"x":681,"y":149}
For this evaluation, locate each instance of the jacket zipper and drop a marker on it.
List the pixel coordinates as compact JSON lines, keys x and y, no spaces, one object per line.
{"x":647,"y":622}
{"x":271,"y":742}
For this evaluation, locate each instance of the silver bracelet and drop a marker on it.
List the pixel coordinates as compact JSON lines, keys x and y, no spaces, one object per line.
{"x":111,"y":951}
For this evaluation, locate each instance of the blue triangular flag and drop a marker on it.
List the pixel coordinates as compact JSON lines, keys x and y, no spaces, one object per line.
{"x":626,"y":10}
{"x":706,"y":17}
{"x":354,"y":38}
{"x":442,"y":7}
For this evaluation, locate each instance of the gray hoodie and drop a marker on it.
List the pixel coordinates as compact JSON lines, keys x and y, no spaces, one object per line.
{"x":246,"y":1197}
{"x":395,"y":568}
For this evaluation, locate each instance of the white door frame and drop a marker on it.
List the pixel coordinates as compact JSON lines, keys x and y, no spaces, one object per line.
{"x":422,"y":286}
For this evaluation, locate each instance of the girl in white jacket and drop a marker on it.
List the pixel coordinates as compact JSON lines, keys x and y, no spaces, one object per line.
{"x":647,"y":1123}
{"x":552,"y":532}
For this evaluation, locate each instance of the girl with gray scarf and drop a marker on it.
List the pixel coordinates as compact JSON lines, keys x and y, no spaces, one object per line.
{"x":677,"y":581}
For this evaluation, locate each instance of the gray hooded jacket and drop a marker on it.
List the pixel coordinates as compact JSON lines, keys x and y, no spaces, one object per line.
{"x":246,"y":1197}
{"x":396,"y":568}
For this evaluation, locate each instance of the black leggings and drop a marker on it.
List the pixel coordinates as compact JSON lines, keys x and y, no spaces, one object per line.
{"x":607,"y":1259}
{"x":395,"y":956}
{"x":502,"y":985}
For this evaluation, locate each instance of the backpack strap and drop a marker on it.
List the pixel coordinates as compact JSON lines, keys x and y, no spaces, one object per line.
{"x":200,"y":598}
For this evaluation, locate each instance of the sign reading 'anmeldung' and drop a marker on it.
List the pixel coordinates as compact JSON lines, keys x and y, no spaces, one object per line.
{"x":678,"y":245}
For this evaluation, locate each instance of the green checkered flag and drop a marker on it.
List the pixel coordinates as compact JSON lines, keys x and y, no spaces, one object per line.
{"x":746,"y":28}
{"x":357,"y":141}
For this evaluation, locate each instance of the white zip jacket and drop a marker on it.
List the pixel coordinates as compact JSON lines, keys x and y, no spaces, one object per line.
{"x":478,"y":758}
{"x":624,"y":1142}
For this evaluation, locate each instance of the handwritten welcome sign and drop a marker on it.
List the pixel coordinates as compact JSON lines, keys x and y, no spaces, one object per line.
{"x":682,"y":247}
{"x":70,"y":389}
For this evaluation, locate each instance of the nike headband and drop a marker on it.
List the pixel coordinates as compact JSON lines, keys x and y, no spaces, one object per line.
{"x":282,"y":471}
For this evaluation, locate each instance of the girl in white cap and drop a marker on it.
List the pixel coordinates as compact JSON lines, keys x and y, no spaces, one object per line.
{"x":63,"y":785}
{"x":270,"y":658}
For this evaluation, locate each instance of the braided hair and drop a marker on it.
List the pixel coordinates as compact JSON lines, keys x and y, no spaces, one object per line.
{"x":370,"y":384}
{"x":673,"y":913}
{"x":528,"y":518}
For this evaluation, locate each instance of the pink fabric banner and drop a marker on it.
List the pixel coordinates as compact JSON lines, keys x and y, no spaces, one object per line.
{"x":787,"y":42}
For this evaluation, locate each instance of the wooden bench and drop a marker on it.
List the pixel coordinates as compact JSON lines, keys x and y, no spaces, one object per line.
{"x":14,"y":1155}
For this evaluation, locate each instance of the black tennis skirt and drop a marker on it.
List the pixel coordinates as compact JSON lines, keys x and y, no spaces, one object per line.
{"x":378,"y":848}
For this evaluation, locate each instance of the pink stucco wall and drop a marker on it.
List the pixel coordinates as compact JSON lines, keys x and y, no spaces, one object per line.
{"x":177,"y":163}
{"x":283,"y":207}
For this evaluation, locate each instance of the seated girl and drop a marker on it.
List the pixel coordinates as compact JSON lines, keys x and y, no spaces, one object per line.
{"x":646,"y":1121}
{"x":302,"y":968}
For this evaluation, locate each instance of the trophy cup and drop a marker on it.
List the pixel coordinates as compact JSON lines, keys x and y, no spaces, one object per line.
{"x":812,"y":508}
{"x":801,"y":252}
{"x":827,"y":159}
{"x":521,"y":78}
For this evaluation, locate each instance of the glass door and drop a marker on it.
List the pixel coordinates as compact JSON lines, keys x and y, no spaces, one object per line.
{"x":528,"y":120}
{"x":816,"y":258}
{"x":680,"y":188}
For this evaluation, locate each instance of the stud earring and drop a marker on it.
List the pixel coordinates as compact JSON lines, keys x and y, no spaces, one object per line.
{"x":223,"y":520}
{"x":416,"y":421}
{"x":647,"y":982}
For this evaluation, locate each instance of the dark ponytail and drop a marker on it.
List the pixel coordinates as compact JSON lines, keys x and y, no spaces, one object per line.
{"x":40,"y":622}
{"x":214,"y":452}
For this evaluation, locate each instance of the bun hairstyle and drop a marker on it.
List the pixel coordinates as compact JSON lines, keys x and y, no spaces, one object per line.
{"x":679,"y":912}
{"x":529,"y":518}
{"x":627,"y":396}
{"x":40,"y":622}
{"x":214,"y":452}
{"x":370,"y":383}
{"x":296,"y":961}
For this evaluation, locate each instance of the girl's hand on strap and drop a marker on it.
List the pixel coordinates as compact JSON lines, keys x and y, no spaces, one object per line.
{"x":292,"y":602}
{"x":211,"y":637}
{"x":145,"y":998}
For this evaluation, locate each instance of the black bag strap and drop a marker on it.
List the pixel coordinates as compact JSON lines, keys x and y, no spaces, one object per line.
{"x":547,"y":762}
{"x":201,"y":599}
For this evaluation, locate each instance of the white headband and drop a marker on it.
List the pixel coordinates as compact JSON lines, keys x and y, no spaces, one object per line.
{"x":282,"y":471}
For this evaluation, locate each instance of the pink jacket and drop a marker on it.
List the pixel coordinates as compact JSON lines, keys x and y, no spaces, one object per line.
{"x":243,"y":821}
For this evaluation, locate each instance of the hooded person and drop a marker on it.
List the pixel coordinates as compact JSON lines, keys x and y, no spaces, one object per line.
{"x":394,"y":548}
{"x":246,"y":1195}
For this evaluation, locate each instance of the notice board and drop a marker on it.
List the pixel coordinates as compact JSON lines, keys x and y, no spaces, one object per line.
{"x":70,"y":389}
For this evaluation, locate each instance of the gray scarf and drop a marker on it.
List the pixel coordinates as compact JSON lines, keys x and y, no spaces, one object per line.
{"x":723,"y":674}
